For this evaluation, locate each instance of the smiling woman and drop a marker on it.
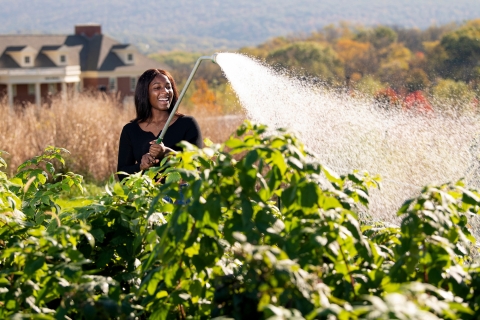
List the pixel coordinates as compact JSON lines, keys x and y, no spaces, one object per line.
{"x":155,"y":96}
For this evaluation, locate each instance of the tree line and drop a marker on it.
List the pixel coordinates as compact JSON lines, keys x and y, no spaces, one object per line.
{"x":438,"y":64}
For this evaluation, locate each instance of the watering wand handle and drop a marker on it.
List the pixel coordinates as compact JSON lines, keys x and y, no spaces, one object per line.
{"x":180,"y":97}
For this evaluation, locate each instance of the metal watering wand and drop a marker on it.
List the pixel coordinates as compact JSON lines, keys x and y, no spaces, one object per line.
{"x":180,"y":97}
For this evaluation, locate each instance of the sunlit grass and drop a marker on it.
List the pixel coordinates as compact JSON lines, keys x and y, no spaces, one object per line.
{"x":88,"y":125}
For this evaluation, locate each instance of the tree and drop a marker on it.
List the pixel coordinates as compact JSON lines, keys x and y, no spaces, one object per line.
{"x":435,"y":57}
{"x":309,"y":59}
{"x":453,"y":95}
{"x":204,"y":99}
{"x":411,"y":38}
{"x":395,"y":65}
{"x":414,"y":38}
{"x":416,"y":80}
{"x":387,"y":98}
{"x":369,"y":85}
{"x":463,"y":49}
{"x":356,"y":56}
{"x":265,"y":48}
{"x":417,"y":102}
{"x":380,"y":37}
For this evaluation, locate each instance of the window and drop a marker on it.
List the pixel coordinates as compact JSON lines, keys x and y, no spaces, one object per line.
{"x":27,"y":59}
{"x":130,"y":57}
{"x":112,"y":84}
{"x":14,"y":90}
{"x":52,"y":88}
{"x":63,"y":58}
{"x":133,"y":84}
{"x":31,"y":89}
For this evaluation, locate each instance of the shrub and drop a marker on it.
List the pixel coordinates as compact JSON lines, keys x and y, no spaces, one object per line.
{"x":271,"y":234}
{"x":453,"y":95}
{"x":369,"y":85}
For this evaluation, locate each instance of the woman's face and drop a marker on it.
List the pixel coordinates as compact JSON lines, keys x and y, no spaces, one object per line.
{"x":160,"y":93}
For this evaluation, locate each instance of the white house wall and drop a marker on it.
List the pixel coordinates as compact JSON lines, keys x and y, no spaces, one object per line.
{"x":38,"y":76}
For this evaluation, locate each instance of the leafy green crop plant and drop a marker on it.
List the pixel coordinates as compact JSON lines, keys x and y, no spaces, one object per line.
{"x":253,"y":228}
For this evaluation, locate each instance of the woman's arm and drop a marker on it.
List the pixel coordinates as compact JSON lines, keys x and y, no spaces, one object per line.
{"x":126,"y":159}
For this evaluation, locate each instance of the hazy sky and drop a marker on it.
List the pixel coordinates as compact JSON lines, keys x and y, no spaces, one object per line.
{"x":236,"y":21}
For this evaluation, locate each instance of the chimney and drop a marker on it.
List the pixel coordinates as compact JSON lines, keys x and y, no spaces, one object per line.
{"x":88,"y":30}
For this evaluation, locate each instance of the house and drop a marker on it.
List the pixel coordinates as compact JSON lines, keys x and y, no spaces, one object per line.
{"x":34,"y":67}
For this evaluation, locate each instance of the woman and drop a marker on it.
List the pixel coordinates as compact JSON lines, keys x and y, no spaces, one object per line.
{"x":155,"y":96}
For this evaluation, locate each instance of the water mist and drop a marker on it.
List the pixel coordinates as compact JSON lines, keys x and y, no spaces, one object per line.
{"x":349,"y":132}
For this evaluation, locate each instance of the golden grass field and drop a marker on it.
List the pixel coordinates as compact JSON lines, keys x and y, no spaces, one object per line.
{"x":89,"y":127}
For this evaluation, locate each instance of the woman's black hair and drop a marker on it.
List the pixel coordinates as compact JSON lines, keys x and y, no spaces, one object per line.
{"x":142,"y":97}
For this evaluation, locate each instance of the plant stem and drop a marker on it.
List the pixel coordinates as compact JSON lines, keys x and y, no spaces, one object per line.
{"x":352,"y":281}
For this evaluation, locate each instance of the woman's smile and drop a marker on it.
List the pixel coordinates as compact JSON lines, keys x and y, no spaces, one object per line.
{"x":160,"y":92}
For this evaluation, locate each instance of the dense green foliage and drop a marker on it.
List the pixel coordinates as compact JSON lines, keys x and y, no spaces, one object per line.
{"x":253,"y":228}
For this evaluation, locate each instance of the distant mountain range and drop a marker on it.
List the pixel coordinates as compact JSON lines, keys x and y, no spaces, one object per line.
{"x":203,"y":25}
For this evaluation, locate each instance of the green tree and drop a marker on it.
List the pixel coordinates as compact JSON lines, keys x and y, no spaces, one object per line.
{"x":309,"y":59}
{"x":261,"y":51}
{"x":411,"y":38}
{"x":380,"y":37}
{"x":451,"y":95}
{"x":463,"y":49}
{"x":435,"y":57}
{"x":416,"y":79}
{"x":369,"y":85}
{"x":395,"y":65}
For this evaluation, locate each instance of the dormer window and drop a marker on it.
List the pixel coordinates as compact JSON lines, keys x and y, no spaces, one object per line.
{"x":24,"y":56}
{"x":125,"y":52}
{"x":58,"y":54}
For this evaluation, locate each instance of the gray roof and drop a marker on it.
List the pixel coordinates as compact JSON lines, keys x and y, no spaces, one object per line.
{"x":92,"y":54}
{"x":15,"y":48}
{"x":120,"y":46}
{"x":51,"y":48}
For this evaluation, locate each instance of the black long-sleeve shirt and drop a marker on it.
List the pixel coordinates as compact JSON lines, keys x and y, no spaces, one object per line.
{"x":134,"y":142}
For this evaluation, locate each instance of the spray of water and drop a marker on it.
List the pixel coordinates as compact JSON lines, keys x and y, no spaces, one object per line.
{"x":407,"y":150}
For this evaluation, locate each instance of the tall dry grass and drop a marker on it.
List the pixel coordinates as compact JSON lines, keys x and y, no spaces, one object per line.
{"x":88,"y":126}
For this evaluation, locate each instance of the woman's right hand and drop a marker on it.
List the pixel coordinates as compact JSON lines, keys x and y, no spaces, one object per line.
{"x":147,"y":161}
{"x":159,"y":151}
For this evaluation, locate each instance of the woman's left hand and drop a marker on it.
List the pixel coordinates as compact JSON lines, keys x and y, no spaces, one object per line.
{"x":147,"y":161}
